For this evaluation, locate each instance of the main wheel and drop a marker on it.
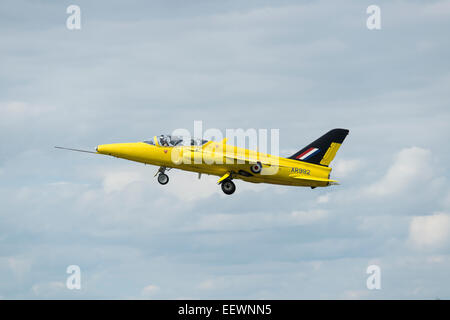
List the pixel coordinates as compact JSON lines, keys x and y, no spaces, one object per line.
{"x":256,"y":168}
{"x":163,"y":178}
{"x":228,"y":187}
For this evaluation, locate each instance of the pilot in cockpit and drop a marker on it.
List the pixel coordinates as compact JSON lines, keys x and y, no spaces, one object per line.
{"x":163,"y":141}
{"x":173,"y":141}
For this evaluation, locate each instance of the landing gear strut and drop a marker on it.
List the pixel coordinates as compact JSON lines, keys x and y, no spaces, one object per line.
{"x":228,"y":186}
{"x":162,"y":177}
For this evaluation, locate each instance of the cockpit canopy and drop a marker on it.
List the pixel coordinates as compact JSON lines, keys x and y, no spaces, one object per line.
{"x":166,"y":140}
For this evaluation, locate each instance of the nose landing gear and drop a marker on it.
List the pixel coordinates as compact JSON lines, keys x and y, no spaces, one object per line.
{"x":162,"y":177}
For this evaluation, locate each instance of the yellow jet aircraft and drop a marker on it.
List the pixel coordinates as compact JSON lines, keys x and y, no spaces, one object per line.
{"x":309,"y":167}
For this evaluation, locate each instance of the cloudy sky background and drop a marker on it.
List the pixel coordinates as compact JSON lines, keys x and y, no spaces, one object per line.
{"x":137,"y":69}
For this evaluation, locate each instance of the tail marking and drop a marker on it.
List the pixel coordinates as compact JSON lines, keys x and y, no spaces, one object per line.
{"x":307,"y":154}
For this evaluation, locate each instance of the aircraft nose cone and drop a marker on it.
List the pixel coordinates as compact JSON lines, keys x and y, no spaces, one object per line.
{"x":103,"y":149}
{"x":114,"y":149}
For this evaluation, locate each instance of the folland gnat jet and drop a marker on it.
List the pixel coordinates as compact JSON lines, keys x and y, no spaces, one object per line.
{"x":308,"y":167}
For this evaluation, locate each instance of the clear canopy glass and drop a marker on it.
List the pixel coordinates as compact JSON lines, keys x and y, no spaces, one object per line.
{"x":172,"y":141}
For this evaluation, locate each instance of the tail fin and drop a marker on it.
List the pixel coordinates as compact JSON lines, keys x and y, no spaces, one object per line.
{"x":323,"y":150}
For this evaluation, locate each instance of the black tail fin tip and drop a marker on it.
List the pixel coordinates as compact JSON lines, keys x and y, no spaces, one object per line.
{"x":323,"y":150}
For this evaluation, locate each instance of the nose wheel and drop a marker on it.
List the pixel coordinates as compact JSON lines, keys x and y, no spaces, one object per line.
{"x":228,"y":186}
{"x":162,"y":177}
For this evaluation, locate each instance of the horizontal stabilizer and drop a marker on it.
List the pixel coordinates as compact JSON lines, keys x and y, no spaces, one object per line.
{"x":303,"y":177}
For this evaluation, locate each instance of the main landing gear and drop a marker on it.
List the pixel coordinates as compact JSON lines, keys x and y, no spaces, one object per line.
{"x":228,"y":186}
{"x":162,"y":177}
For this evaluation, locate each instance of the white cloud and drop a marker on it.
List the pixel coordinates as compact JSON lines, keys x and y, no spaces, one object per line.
{"x":430,"y":231}
{"x":355,"y":294}
{"x":118,"y":180}
{"x":13,"y":108}
{"x":441,"y":8}
{"x":217,"y":283}
{"x":186,"y":186}
{"x":207,"y":285}
{"x":256,"y":220}
{"x":436,"y":259}
{"x":323,"y":198}
{"x":446,"y":200}
{"x":411,"y":166}
{"x":150,"y":290}
{"x":18,"y":109}
{"x":343,"y":167}
{"x":19,"y":266}
{"x":51,"y":288}
{"x":307,"y":217}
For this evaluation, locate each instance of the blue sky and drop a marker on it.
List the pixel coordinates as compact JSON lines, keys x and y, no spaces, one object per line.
{"x":142,"y":68}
